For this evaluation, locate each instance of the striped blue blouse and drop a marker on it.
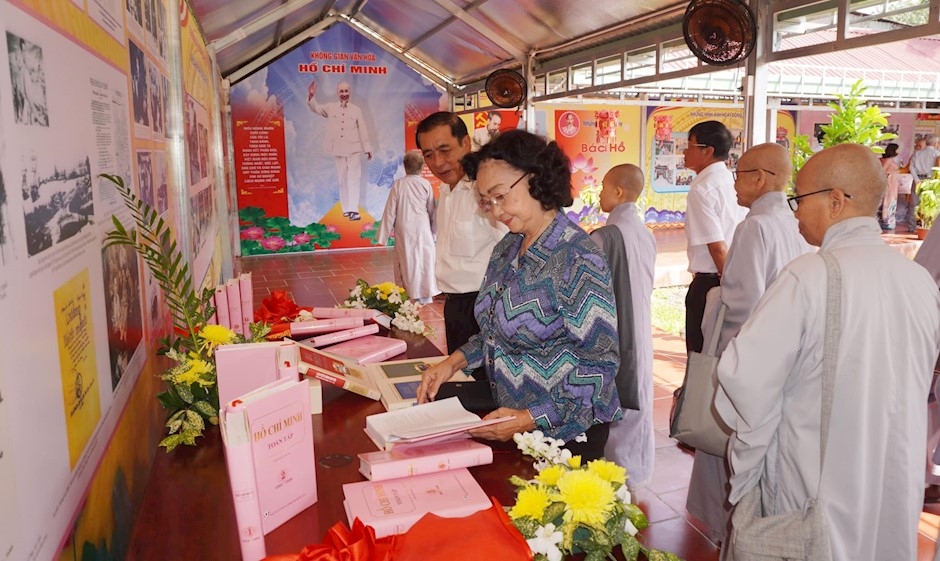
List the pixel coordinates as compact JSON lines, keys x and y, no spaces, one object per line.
{"x":548,"y":330}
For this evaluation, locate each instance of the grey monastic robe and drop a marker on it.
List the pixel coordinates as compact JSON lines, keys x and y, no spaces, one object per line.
{"x":631,"y":442}
{"x":764,"y":243}
{"x":871,"y":488}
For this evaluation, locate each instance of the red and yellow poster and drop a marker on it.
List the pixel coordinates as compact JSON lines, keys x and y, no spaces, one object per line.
{"x":596,"y":138}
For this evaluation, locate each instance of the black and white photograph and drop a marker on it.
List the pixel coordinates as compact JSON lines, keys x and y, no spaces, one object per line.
{"x":192,"y":140}
{"x":161,"y":30}
{"x":165,"y":96}
{"x":135,"y":10}
{"x":203,"y":134}
{"x":57,"y":200}
{"x":201,"y":207}
{"x":28,"y":79}
{"x":122,"y":304}
{"x":154,"y":91}
{"x":139,"y":84}
{"x":6,"y":241}
{"x":145,"y":178}
{"x":148,"y":18}
{"x":161,"y":201}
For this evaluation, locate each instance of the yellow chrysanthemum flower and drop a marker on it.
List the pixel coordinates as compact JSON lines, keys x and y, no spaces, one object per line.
{"x":588,"y":498}
{"x":386,"y":287}
{"x":551,"y":474}
{"x":574,"y":462}
{"x":531,"y":501}
{"x":216,"y":335}
{"x":608,"y":471}
{"x":196,"y":373}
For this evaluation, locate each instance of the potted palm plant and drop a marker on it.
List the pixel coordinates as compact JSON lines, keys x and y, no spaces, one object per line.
{"x":929,"y":207}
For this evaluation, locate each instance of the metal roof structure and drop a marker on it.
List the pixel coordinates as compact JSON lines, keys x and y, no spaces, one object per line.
{"x":577,"y":48}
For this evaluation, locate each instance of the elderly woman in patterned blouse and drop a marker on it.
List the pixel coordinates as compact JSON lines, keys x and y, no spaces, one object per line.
{"x":548,"y":325}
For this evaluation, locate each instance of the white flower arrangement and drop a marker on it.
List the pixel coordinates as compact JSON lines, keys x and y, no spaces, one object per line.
{"x":390,"y":299}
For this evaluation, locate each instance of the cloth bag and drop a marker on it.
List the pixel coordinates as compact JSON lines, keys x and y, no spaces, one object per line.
{"x":694,"y":421}
{"x":803,"y":534}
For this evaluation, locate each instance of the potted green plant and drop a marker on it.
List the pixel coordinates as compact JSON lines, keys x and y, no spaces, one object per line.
{"x":929,"y":207}
{"x":852,"y":120}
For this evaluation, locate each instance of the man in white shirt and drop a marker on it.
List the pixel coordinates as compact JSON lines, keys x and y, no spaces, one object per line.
{"x":764,"y":243}
{"x":712,"y":214}
{"x":872,"y":484}
{"x":346,"y":138}
{"x":465,"y":235}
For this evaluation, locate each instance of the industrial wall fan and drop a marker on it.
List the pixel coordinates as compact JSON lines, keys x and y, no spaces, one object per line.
{"x":506,"y":88}
{"x":719,"y":32}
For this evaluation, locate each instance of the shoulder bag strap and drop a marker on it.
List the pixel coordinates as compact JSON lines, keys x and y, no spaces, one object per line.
{"x":830,"y":349}
{"x":711,"y":346}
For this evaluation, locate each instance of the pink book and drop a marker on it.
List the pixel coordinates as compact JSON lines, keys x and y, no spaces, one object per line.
{"x":221,"y":306}
{"x":234,"y":305}
{"x":369,"y":349}
{"x":406,"y":460}
{"x":247,"y":302}
{"x":282,"y":451}
{"x":313,"y":327}
{"x":236,"y":442}
{"x":288,"y":361}
{"x":340,"y":336}
{"x":214,"y":318}
{"x":394,"y":505}
{"x":365,"y":313}
{"x":243,"y":367}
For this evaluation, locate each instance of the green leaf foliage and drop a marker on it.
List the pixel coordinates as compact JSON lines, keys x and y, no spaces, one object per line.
{"x":853,"y":120}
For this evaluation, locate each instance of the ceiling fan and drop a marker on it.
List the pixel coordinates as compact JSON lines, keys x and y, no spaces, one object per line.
{"x":719,"y":32}
{"x":506,"y":88}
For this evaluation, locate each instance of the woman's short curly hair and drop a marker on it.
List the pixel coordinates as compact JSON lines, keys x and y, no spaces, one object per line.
{"x":548,"y":166}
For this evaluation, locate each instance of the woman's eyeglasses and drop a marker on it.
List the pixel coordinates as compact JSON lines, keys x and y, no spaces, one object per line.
{"x":487,"y":203}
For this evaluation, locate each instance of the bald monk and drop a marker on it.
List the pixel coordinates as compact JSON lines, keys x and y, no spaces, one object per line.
{"x":628,"y":242}
{"x":872,"y":484}
{"x":763,"y":244}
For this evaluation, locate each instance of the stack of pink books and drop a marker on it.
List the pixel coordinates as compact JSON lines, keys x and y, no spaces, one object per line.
{"x":233,"y":304}
{"x":393,"y":506}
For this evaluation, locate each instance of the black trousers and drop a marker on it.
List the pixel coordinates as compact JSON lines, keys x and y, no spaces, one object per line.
{"x":460,"y":323}
{"x":695,"y":309}
{"x":593,"y":449}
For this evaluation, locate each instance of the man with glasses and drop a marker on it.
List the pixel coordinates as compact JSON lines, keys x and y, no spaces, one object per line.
{"x":710,"y":219}
{"x":465,"y":234}
{"x":764,"y":243}
{"x":872,"y":481}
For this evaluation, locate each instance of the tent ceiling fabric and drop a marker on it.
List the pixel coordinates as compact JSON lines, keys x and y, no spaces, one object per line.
{"x":463,"y":40}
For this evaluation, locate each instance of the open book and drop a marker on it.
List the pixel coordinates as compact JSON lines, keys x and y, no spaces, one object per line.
{"x":436,"y":420}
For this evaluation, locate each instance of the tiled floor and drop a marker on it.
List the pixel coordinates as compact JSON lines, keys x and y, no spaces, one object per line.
{"x":323,"y":279}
